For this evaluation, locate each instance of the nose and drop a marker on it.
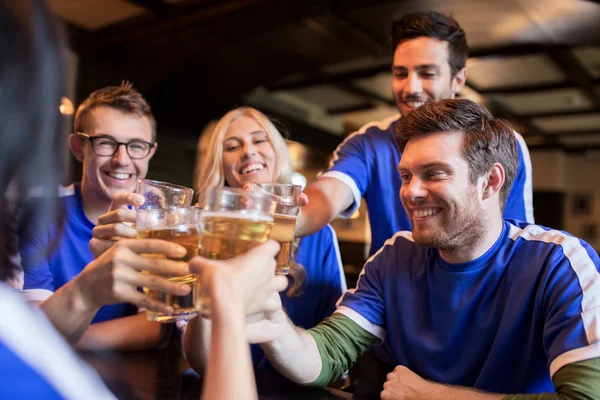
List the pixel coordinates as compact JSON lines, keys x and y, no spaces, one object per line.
{"x":249,"y":150}
{"x":414,"y":190}
{"x":413,"y":83}
{"x":121,"y":157}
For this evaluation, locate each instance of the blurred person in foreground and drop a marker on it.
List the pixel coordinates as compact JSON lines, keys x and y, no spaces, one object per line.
{"x":244,"y":147}
{"x":35,"y":360}
{"x":114,"y":137}
{"x":473,"y":306}
{"x":429,"y":63}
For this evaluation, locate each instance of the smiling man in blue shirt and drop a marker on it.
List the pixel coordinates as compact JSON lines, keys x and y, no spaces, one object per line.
{"x":472,"y":306}
{"x":429,"y":63}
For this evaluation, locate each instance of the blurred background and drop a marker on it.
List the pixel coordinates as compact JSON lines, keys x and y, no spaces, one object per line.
{"x":322,"y":69}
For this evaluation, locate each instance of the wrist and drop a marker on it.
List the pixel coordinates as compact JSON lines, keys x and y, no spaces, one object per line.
{"x":80,"y":300}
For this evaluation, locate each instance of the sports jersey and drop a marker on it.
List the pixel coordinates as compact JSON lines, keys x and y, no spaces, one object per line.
{"x":324,"y":284}
{"x":504,"y":322}
{"x":52,"y":257}
{"x":31,"y":368}
{"x":367,"y":161}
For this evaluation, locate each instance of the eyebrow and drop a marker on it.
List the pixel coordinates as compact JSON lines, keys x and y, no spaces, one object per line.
{"x":251,"y":133}
{"x":109,"y":136}
{"x":422,"y":66}
{"x":438,"y":164}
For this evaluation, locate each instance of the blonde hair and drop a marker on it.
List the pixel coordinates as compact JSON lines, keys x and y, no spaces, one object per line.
{"x":210,"y":173}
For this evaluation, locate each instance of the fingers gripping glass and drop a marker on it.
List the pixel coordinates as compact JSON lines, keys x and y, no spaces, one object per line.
{"x":108,"y":146}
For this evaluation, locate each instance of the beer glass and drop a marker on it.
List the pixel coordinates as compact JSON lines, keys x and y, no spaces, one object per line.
{"x":233,"y":221}
{"x":285,"y":216}
{"x":166,"y":214}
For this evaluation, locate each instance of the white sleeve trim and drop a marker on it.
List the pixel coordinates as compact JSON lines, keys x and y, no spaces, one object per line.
{"x":364,"y":323}
{"x":583,"y":267}
{"x":338,"y":258}
{"x":36,"y":294}
{"x":528,"y":185}
{"x":572,"y":356}
{"x":352,"y":185}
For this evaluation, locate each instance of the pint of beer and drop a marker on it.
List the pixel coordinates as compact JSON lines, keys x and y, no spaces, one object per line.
{"x":233,"y":221}
{"x":285,"y":216}
{"x":167,"y":215}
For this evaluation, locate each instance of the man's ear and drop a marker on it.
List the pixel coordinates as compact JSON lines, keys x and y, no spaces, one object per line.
{"x":76,"y":147}
{"x":459,"y":80}
{"x":153,"y":150}
{"x":494,"y":182}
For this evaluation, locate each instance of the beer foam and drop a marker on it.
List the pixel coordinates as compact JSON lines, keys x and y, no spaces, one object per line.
{"x":236,"y":215}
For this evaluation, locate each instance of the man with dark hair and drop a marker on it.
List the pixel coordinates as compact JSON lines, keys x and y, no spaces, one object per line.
{"x":468,"y":302}
{"x":430,"y":52}
{"x":114,"y":138}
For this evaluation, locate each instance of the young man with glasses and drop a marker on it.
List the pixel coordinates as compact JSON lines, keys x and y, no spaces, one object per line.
{"x":114,"y":138}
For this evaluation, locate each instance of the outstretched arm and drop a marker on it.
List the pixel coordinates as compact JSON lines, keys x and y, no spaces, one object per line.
{"x":328,"y":197}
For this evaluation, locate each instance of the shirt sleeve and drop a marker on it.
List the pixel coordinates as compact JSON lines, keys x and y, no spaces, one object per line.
{"x":333,"y":273}
{"x":519,"y":204}
{"x":365,"y":304}
{"x":38,"y":282}
{"x":340,"y":342}
{"x":577,"y":381}
{"x":570,"y":300}
{"x":350,"y":165}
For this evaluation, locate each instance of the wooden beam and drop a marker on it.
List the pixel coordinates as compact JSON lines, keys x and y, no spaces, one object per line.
{"x":331,"y":78}
{"x":542,"y":87}
{"x":364,"y":93}
{"x":498,"y":109}
{"x":156,"y":7}
{"x":561,"y":113}
{"x":576,"y":72}
{"x":349,"y":109}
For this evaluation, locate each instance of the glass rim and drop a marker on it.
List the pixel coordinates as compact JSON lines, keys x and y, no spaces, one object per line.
{"x":166,"y":185}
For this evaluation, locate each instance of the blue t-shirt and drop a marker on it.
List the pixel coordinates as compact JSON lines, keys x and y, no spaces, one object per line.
{"x":35,"y":362}
{"x":54,"y":256}
{"x":322,"y":288}
{"x":367,"y":161}
{"x":503,"y":323}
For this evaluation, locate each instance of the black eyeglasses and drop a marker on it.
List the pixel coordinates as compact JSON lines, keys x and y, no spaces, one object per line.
{"x":108,"y":146}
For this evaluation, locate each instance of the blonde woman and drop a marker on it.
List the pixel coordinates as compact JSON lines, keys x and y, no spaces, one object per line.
{"x":243,"y":147}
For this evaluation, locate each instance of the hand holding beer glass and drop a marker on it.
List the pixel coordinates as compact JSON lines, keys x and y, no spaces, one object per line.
{"x":234,"y":221}
{"x":166,"y":214}
{"x":285,"y":217}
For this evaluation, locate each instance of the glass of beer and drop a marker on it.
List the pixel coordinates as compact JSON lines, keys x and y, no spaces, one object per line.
{"x":285,"y":216}
{"x":233,"y":221}
{"x":167,"y":215}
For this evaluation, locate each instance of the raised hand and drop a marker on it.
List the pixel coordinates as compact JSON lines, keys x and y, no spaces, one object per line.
{"x":117,"y":223}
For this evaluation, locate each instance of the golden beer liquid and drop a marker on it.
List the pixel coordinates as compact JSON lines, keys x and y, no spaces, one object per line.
{"x":184,"y":307}
{"x":283,"y":232}
{"x":226,"y":235}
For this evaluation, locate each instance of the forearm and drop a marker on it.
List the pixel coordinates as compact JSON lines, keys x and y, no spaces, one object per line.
{"x":283,"y":353}
{"x":196,"y":340}
{"x":575,"y":381}
{"x":327,"y":198}
{"x":69,"y":312}
{"x":229,"y":358}
{"x":128,"y":333}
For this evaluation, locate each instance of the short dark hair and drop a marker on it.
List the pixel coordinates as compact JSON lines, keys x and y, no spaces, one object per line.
{"x":487,"y":140}
{"x":434,"y":25}
{"x":32,"y":147}
{"x":124,"y":98}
